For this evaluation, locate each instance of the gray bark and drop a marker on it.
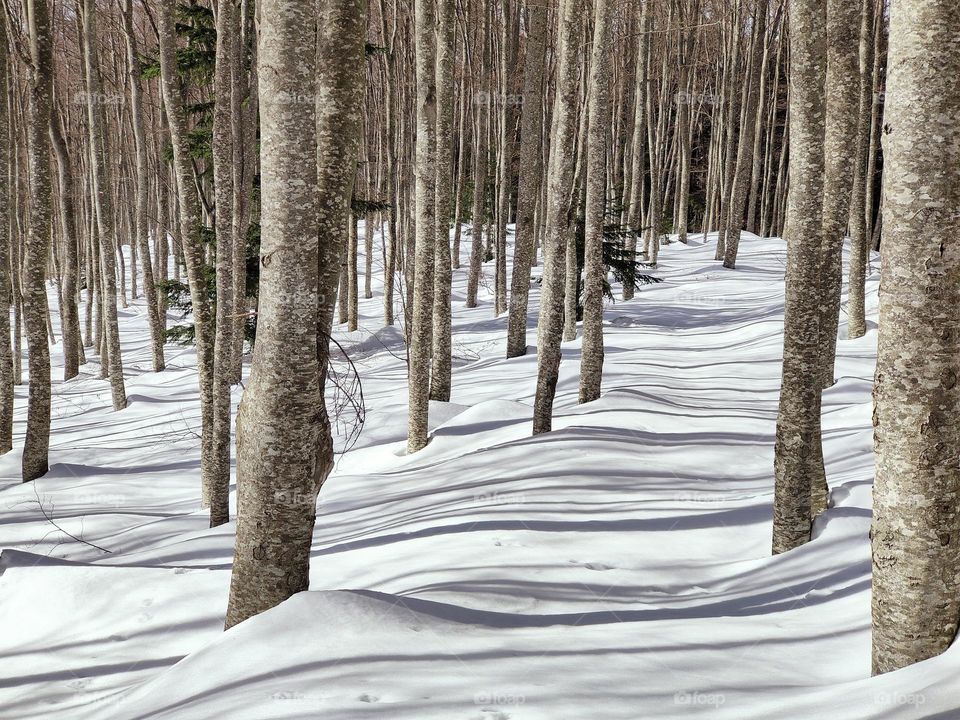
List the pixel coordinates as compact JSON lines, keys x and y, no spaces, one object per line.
{"x":798,"y":455}
{"x":916,"y":494}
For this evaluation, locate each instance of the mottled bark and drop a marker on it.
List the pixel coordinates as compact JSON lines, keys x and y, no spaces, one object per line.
{"x":798,"y":459}
{"x":426,"y":226}
{"x":599,"y":113}
{"x":281,"y":464}
{"x":859,"y":242}
{"x":531,"y":174}
{"x":70,"y":316}
{"x":6,"y":353}
{"x":843,"y":91}
{"x":36,"y":441}
{"x":141,"y":193}
{"x":217,"y":489}
{"x":559,"y":187}
{"x":104,"y":205}
{"x":639,"y":142}
{"x":440,"y":375}
{"x":190,"y":245}
{"x":916,"y":495}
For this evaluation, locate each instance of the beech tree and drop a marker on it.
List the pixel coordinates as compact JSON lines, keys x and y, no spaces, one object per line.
{"x":916,"y":521}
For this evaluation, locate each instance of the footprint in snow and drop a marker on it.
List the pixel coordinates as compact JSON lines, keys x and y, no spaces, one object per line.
{"x":367,"y":698}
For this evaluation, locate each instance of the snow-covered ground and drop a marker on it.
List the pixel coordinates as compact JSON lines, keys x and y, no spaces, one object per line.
{"x":618,"y":567}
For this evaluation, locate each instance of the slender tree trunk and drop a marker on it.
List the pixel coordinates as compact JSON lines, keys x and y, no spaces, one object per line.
{"x":591,"y":363}
{"x":916,"y":495}
{"x":103,"y":204}
{"x":426,"y":228}
{"x":531,"y":173}
{"x":6,"y":352}
{"x":559,"y":187}
{"x":798,"y":455}
{"x":190,"y":243}
{"x":36,"y":441}
{"x":843,"y":86}
{"x":440,"y":376}
{"x":142,"y":190}
{"x":859,"y":248}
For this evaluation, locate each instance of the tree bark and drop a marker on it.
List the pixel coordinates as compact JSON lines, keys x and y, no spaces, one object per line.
{"x":916,"y":495}
{"x":559,"y":188}
{"x":598,"y":110}
{"x":798,"y":456}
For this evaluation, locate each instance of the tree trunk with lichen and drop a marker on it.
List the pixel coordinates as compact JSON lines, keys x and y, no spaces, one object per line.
{"x":800,"y":489}
{"x":916,"y":495}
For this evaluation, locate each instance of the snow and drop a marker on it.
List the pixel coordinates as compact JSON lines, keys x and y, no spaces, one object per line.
{"x":618,"y":567}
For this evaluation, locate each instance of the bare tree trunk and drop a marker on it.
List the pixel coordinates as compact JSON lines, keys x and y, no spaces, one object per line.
{"x":281,"y":464}
{"x":591,"y":363}
{"x":916,"y":495}
{"x":217,"y":488}
{"x":104,"y":205}
{"x":440,"y":376}
{"x":190,"y":243}
{"x":635,"y":218}
{"x":798,"y":462}
{"x":559,"y":187}
{"x":36,"y":441}
{"x":6,"y":352}
{"x":859,"y":248}
{"x":426,"y":228}
{"x":843,"y":86}
{"x":142,"y":190}
{"x":531,"y":172}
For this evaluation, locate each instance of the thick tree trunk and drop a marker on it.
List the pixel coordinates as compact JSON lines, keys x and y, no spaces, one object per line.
{"x":798,"y":463}
{"x":281,"y":464}
{"x":916,"y":495}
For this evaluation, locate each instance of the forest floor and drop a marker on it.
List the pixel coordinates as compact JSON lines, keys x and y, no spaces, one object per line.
{"x":616,"y":568}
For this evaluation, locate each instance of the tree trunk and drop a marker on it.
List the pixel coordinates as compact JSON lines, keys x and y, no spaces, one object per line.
{"x":426,"y":227}
{"x":916,"y":495}
{"x":798,"y":460}
{"x":6,"y":352}
{"x":559,"y":187}
{"x":36,"y":441}
{"x":843,"y":90}
{"x":440,"y":376}
{"x":190,"y":243}
{"x":859,"y":247}
{"x":104,"y":205}
{"x":598,"y":110}
{"x":531,"y":172}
